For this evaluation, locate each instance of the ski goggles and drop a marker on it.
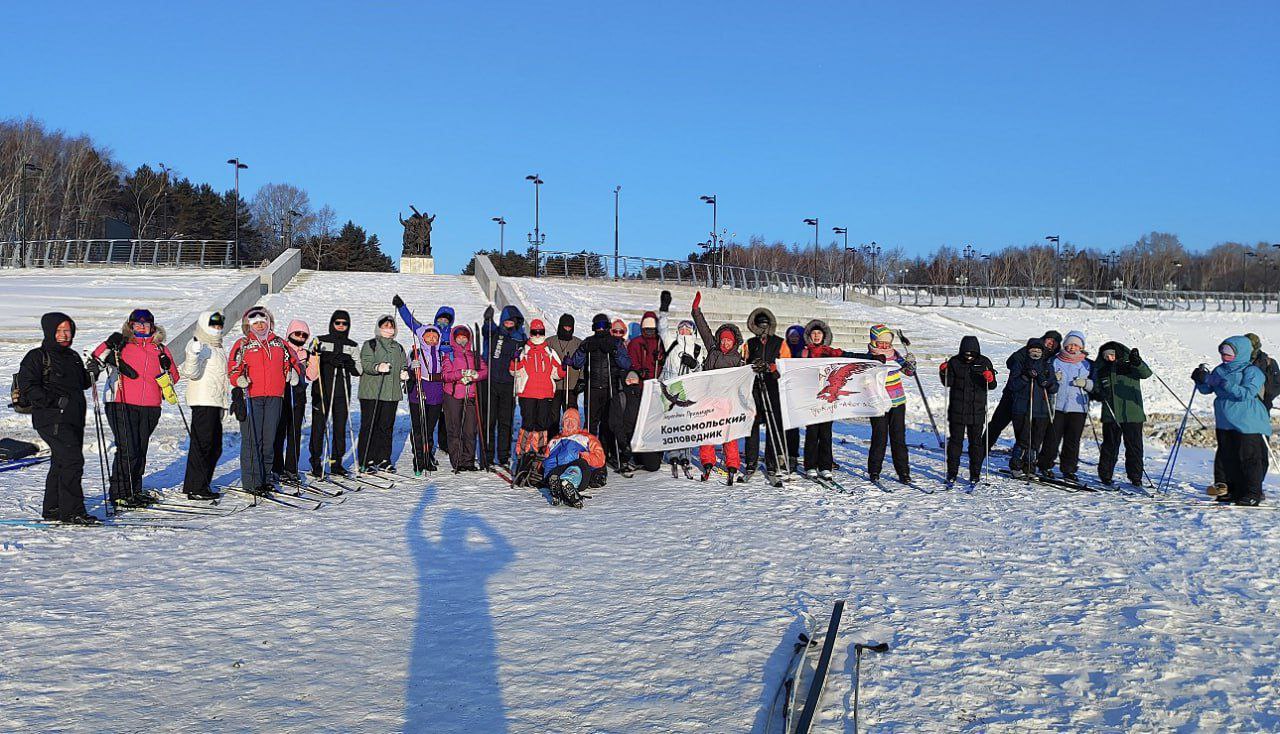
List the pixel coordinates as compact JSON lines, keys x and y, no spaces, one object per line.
{"x":141,"y":316}
{"x":537,"y":332}
{"x":218,"y":320}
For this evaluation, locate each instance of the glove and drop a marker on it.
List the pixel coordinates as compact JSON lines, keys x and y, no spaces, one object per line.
{"x":383,"y":368}
{"x":1029,"y":373}
{"x":94,"y":368}
{"x":604,"y":347}
{"x":237,"y":405}
{"x":115,"y":342}
{"x":759,"y":367}
{"x":124,"y":367}
{"x":1082,"y":382}
{"x":488,"y":315}
{"x":395,"y":301}
{"x":404,"y":375}
{"x":1199,"y":374}
{"x":242,"y":381}
{"x":697,"y":300}
{"x":193,"y":347}
{"x":1135,"y":359}
{"x":664,"y":301}
{"x":688,"y":361}
{"x":989,"y":376}
{"x":293,"y":377}
{"x":1058,"y":374}
{"x":165,"y":362}
{"x":943,"y":366}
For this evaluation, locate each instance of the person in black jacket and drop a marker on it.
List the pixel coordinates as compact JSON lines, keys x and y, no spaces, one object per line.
{"x":1031,"y":383}
{"x":1002,"y":416}
{"x":624,"y":411}
{"x":52,"y":380}
{"x":603,"y":359}
{"x":502,"y":342}
{"x":970,"y":376}
{"x":335,"y":357}
{"x":763,"y":350}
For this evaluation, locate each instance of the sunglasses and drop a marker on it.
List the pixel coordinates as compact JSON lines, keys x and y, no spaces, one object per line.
{"x":302,"y":334}
{"x":339,"y":323}
{"x":538,"y":332}
{"x":617,"y":332}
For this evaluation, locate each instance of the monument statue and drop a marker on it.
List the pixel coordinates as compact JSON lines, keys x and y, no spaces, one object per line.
{"x":417,"y":233}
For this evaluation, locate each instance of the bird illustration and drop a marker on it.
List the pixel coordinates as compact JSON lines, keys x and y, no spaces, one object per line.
{"x":677,"y":399}
{"x":838,"y":378}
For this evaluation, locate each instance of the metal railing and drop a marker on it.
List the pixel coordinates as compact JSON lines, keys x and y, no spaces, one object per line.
{"x":1013,"y":297}
{"x":65,"y":253}
{"x":552,"y":264}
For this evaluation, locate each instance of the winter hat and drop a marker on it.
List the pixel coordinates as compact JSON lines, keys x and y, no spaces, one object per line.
{"x":141,"y":316}
{"x":299,"y":325}
{"x":649,"y":320}
{"x":1054,"y":335}
{"x":618,"y":325}
{"x":631,"y":372}
{"x":880,"y":330}
{"x":571,"y":422}
{"x":1035,"y":344}
{"x":537,"y":324}
{"x":1255,"y":341}
{"x":565,"y":327}
{"x":683,"y":324}
{"x":460,"y":329}
{"x":599,"y":322}
{"x":795,"y":334}
{"x":969,"y":344}
{"x":1075,"y":336}
{"x":1227,"y":350}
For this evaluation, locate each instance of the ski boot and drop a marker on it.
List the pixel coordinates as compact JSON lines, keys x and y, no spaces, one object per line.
{"x":687,"y":468}
{"x":627,"y":469}
{"x":570,"y":494}
{"x":950,"y":481}
{"x":675,"y":469}
{"x":825,"y":474}
{"x":88,"y":520}
{"x":730,"y":472}
{"x":811,"y":474}
{"x":746,"y":475}
{"x":706,"y":472}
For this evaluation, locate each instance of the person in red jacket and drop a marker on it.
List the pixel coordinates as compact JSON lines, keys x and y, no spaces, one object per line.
{"x":260,"y":366}
{"x":142,"y":376}
{"x":537,"y":368}
{"x":818,"y":460}
{"x":646,"y":352}
{"x":462,"y":370}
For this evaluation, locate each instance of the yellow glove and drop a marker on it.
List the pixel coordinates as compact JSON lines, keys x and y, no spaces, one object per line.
{"x":166,"y":387}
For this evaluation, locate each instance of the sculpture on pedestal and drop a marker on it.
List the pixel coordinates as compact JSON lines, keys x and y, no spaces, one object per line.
{"x":417,"y":234}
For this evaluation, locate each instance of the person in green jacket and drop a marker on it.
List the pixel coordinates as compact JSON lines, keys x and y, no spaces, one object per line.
{"x":384,"y":369}
{"x":1116,"y":384}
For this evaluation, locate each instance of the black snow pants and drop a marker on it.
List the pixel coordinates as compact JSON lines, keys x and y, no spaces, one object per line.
{"x":63,"y":492}
{"x":205,"y":448}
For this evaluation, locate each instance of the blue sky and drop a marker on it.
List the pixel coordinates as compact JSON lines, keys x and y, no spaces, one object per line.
{"x":913,"y":124}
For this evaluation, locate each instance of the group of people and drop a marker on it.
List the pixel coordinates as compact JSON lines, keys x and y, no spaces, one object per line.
{"x":463,"y":391}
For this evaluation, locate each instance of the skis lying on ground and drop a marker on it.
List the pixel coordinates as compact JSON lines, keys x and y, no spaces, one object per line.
{"x":277,"y":498}
{"x":1056,"y":483}
{"x":111,"y":522}
{"x":22,"y":463}
{"x":810,"y":683}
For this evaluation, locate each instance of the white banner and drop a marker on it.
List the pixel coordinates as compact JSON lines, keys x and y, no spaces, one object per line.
{"x":830,"y":389}
{"x":702,"y":408}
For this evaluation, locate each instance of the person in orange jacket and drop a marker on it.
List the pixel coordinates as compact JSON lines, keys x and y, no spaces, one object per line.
{"x":572,"y":461}
{"x":260,"y":366}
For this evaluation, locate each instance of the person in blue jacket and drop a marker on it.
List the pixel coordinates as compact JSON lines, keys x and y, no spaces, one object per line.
{"x":1072,"y":369}
{"x":502,"y":342}
{"x":1032,"y":383}
{"x":1242,"y":421}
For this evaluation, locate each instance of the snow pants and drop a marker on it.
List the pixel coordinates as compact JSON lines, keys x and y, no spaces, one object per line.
{"x":63,"y":492}
{"x":377,"y":421}
{"x":460,"y":415}
{"x":205,"y":448}
{"x":955,"y":445}
{"x":257,"y":434}
{"x":707,"y":455}
{"x":289,"y":430}
{"x":324,"y":408}
{"x":890,"y":428}
{"x":817,"y":447}
{"x":1112,"y":433}
{"x":1245,"y":458}
{"x":1030,"y":433}
{"x":497,"y":413}
{"x":424,"y":419}
{"x":769,"y":418}
{"x":131,"y":427}
{"x":1062,"y":442}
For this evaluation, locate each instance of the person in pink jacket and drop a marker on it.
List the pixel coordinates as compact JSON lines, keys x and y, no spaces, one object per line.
{"x":461,"y":373}
{"x":142,"y":377}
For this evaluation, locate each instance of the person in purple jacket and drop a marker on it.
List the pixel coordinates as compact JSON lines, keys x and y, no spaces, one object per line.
{"x":426,"y":396}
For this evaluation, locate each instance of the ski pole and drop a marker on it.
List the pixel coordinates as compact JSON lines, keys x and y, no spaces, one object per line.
{"x":925,"y":398}
{"x":1166,"y":475}
{"x":1186,"y":405}
{"x":101,"y":439}
{"x":858,"y":647}
{"x":771,"y":425}
{"x":1116,"y":420}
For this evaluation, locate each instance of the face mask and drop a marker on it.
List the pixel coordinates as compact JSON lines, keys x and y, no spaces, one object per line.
{"x":726,"y":343}
{"x":1034,"y":353}
{"x":387,"y":331}
{"x":1228,"y":356}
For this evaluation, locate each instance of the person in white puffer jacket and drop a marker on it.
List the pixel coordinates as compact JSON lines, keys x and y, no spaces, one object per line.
{"x":205,"y":370}
{"x":684,"y":354}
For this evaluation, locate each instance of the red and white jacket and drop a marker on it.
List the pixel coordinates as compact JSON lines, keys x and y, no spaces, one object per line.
{"x":537,"y":368}
{"x":266,"y":361}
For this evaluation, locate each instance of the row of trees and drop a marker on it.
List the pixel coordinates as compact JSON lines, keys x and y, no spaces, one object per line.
{"x":57,"y":186}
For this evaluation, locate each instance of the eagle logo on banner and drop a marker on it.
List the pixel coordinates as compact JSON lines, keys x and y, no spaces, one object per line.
{"x":834,"y":378}
{"x":674,"y":396}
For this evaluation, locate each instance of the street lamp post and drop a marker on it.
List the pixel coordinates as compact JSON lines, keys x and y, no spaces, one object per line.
{"x":873,"y":251}
{"x":538,"y":238}
{"x":1056,"y":266}
{"x":235,"y":215}
{"x":844,"y":262}
{"x":715,"y":211}
{"x":502,"y":234}
{"x":288,"y":219}
{"x":22,"y":209}
{"x":814,"y":222}
{"x":617,"y":190}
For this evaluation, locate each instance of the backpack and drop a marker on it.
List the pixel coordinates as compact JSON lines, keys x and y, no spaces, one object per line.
{"x":20,"y":404}
{"x":1271,"y":387}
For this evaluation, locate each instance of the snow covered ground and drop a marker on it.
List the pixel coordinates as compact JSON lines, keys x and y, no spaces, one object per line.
{"x":455,"y":604}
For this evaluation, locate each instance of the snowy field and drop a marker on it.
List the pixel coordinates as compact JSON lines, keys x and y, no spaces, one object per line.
{"x":455,"y":604}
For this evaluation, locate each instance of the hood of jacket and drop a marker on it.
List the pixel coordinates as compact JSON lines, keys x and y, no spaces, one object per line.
{"x":649,"y":320}
{"x":244,"y":320}
{"x":770,"y":325}
{"x":340,"y":314}
{"x":461,"y":329}
{"x":817,"y":324}
{"x":447,"y":312}
{"x":795,"y":335}
{"x":564,"y":329}
{"x":969,"y":343}
{"x":377,"y":328}
{"x":732,"y":329}
{"x":157,"y":333}
{"x":204,"y":334}
{"x":1244,"y":354}
{"x":1122,"y":352}
{"x":511,"y":313}
{"x":49,"y":326}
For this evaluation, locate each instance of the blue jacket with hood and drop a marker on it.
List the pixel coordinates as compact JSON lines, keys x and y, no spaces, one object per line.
{"x":501,"y":345}
{"x":1237,"y":386}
